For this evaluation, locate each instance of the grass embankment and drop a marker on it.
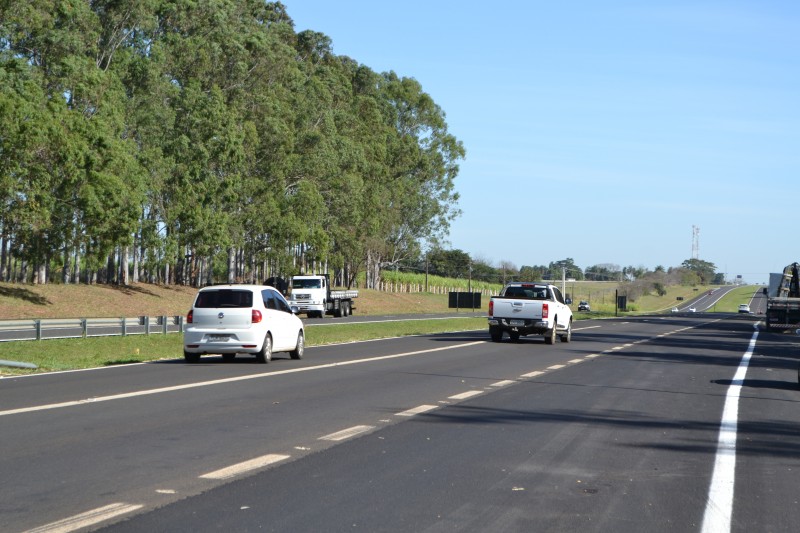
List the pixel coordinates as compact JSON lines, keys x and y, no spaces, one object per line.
{"x":77,"y":301}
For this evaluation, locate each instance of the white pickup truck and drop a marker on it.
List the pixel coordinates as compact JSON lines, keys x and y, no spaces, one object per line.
{"x":530,"y":309}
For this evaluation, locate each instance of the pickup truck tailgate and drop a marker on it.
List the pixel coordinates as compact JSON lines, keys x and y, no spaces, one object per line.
{"x":520,"y":309}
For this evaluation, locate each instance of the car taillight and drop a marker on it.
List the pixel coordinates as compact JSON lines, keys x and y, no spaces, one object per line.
{"x":491,"y":308}
{"x":190,"y":317}
{"x":256,"y":316}
{"x":545,"y":310}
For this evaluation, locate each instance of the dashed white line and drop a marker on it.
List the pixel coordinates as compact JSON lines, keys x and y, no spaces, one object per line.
{"x":241,"y":468}
{"x":532,"y":374}
{"x":89,"y":518}
{"x":417,"y":410}
{"x":555,"y":367}
{"x":465,"y":395}
{"x":503,"y":383}
{"x":347,"y":433}
{"x":574,"y":361}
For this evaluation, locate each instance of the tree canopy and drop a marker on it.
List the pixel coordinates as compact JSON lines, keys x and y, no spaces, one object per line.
{"x":207,"y":141}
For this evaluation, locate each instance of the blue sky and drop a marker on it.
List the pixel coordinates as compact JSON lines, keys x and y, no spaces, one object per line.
{"x":615,"y":127}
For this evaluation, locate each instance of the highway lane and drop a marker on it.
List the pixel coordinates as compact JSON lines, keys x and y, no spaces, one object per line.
{"x":615,"y":430}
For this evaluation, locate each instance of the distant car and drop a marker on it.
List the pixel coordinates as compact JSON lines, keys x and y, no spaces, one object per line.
{"x":242,"y":319}
{"x":692,"y":310}
{"x":675,"y":310}
{"x":744,"y":308}
{"x":583,"y":305}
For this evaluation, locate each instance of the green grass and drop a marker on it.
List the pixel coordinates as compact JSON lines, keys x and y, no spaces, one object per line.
{"x":72,"y":354}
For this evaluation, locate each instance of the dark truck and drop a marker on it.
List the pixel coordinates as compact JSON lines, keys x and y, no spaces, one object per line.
{"x":783,"y":299}
{"x":530,"y":309}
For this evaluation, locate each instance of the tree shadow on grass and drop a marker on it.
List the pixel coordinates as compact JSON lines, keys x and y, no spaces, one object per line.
{"x":21,"y":293}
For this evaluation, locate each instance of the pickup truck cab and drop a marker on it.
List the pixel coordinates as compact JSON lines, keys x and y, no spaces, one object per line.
{"x":530,"y":309}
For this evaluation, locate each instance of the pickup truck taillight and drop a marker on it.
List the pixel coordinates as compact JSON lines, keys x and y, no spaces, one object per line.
{"x":190,"y":317}
{"x":491,"y":308}
{"x":545,"y":310}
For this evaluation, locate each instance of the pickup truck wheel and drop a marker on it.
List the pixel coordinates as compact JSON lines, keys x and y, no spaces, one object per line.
{"x":228,"y":357}
{"x":495,"y":333}
{"x":191,"y":357}
{"x":299,"y":348}
{"x":550,"y":336}
{"x":265,"y":355}
{"x":566,"y":337}
{"x":514,"y":336}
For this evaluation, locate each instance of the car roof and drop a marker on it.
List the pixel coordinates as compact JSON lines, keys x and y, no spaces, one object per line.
{"x":231,"y":286}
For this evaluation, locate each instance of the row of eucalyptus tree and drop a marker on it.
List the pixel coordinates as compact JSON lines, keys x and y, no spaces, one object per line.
{"x":193,"y":142}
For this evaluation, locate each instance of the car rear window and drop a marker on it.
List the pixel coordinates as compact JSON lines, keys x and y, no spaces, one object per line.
{"x":224,"y":298}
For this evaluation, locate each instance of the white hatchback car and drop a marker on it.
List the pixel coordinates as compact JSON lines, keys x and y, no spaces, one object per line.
{"x":242,"y":319}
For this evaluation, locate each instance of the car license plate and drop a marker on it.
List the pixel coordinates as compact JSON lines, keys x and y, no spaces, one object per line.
{"x":517,"y":322}
{"x":218,"y":338}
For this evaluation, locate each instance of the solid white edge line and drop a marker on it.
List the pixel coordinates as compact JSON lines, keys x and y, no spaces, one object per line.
{"x":89,"y":518}
{"x":347,"y":433}
{"x":246,"y":466}
{"x":719,"y":504}
{"x":232,"y":380}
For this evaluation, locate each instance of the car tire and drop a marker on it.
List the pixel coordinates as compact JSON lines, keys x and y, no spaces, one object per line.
{"x":265,"y":355}
{"x":299,"y":348}
{"x":514,"y":336}
{"x":191,"y":357}
{"x":566,"y":337}
{"x":550,"y":335}
{"x":495,"y":333}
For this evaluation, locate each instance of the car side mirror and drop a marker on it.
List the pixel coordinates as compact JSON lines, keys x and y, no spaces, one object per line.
{"x":295,"y":310}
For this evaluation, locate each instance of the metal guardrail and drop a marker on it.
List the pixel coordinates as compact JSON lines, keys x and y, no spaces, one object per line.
{"x":66,"y":328}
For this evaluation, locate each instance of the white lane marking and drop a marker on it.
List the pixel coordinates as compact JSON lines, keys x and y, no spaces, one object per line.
{"x":555,"y":367}
{"x":503,"y":383}
{"x":532,"y":374}
{"x":335,"y":323}
{"x":246,"y":466}
{"x":230,"y":380}
{"x":347,"y":433}
{"x":591,"y":356}
{"x":89,"y":518}
{"x":573,"y":361}
{"x":719,"y":504}
{"x":417,"y":410}
{"x":465,"y":395}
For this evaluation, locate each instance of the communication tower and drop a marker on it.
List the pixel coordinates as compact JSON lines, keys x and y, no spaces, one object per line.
{"x":695,"y":242}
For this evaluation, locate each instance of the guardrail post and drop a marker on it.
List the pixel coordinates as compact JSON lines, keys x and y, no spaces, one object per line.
{"x":124,"y":326}
{"x":147,"y":325}
{"x":180,"y":323}
{"x":164,"y":324}
{"x":38,"y":325}
{"x":83,"y":327}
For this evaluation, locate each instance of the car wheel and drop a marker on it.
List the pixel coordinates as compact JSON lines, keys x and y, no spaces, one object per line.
{"x":265,"y":355}
{"x":191,"y":357}
{"x":550,"y":336}
{"x":299,"y":348}
{"x":228,"y":357}
{"x":566,"y":337}
{"x":495,"y":333}
{"x":514,"y":336}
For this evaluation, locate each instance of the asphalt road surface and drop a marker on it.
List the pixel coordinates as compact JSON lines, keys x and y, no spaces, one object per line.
{"x":672,"y":423}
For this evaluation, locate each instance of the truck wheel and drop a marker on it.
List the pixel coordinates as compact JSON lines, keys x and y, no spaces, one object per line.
{"x":265,"y":355}
{"x":299,"y":348}
{"x":345,"y":309}
{"x":495,"y":333}
{"x":514,"y":336}
{"x":550,"y":336}
{"x":566,"y":337}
